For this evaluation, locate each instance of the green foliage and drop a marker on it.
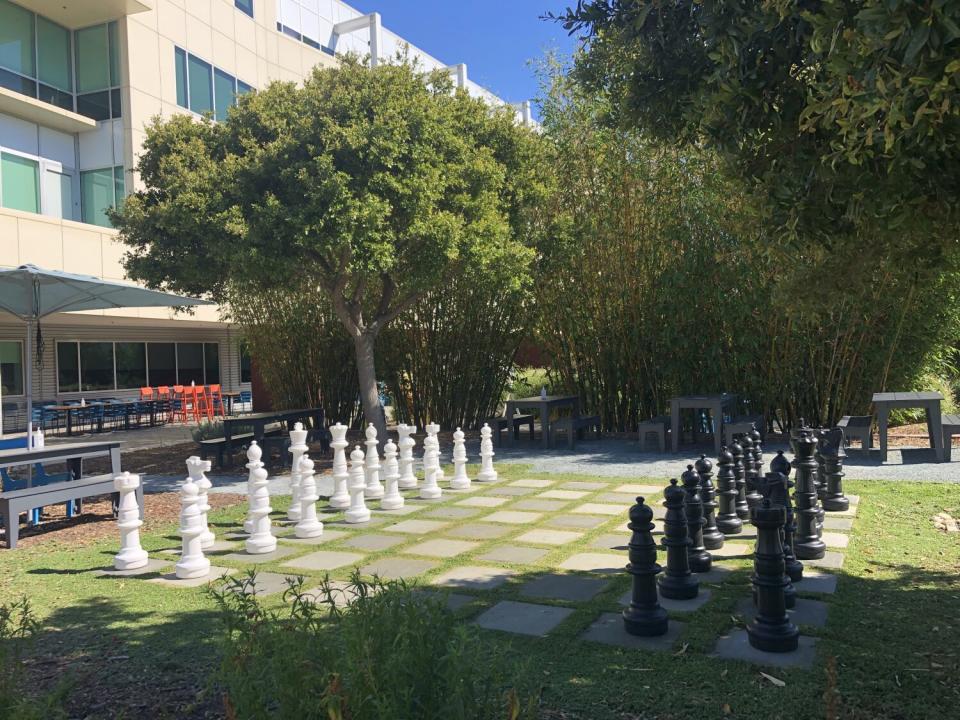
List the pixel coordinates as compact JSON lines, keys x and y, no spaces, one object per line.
{"x":369,"y":651}
{"x":18,"y":626}
{"x":527,"y":382}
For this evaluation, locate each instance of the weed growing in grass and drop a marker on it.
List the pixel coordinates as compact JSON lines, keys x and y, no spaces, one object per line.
{"x":18,"y":626}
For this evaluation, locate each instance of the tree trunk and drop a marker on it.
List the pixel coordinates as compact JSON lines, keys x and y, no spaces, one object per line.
{"x":367,"y":376}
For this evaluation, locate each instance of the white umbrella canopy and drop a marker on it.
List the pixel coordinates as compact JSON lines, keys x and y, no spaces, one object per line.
{"x":30,"y":293}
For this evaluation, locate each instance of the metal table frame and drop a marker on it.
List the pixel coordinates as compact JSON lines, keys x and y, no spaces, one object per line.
{"x":714,"y":403}
{"x":542,"y":405}
{"x":884,"y":402}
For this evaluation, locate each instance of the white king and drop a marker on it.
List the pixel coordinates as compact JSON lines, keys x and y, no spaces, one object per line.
{"x":131,"y":555}
{"x":487,"y":473}
{"x":298,"y":446}
{"x":392,"y":499}
{"x":430,"y":490}
{"x":341,"y":475}
{"x":407,"y":478}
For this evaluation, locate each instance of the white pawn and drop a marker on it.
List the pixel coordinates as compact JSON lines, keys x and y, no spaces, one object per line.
{"x":460,"y":480}
{"x":358,"y":512}
{"x":430,"y":490}
{"x":254,"y":453}
{"x":261,"y":540}
{"x":131,"y":555}
{"x":341,"y":475}
{"x":192,"y":563}
{"x":298,"y":446}
{"x":308,"y":526}
{"x":407,"y":478}
{"x":487,"y":473}
{"x":374,"y":488}
{"x":392,"y":499}
{"x":196,"y":469}
{"x":432,"y":430}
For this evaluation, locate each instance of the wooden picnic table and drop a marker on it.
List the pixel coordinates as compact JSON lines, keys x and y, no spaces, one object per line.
{"x":929,"y":402}
{"x":542,"y":406}
{"x":259,"y":422}
{"x":716,"y":404}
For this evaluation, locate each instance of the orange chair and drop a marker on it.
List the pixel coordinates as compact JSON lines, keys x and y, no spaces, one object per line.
{"x":215,"y":400}
{"x":165,"y":402}
{"x":146,"y":393}
{"x":179,"y":404}
{"x":201,"y":407}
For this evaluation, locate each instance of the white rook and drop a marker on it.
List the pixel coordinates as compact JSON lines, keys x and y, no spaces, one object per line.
{"x":254,"y":453}
{"x":407,"y":478}
{"x":487,"y":473}
{"x":261,"y":540}
{"x":298,"y":446}
{"x":341,"y":475}
{"x":374,"y":488}
{"x":192,"y":563}
{"x":308,"y":526}
{"x":431,"y":464}
{"x":460,"y":480}
{"x":196,"y":469}
{"x":358,"y":512}
{"x":392,"y":499}
{"x":131,"y":555}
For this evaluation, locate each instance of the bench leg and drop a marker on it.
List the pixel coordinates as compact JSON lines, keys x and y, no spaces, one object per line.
{"x":11,"y":523}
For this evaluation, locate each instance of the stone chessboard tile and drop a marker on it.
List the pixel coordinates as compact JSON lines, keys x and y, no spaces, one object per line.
{"x":736,"y":646}
{"x":454,"y":601}
{"x":416,"y":527}
{"x":716,"y":575}
{"x":549,"y":537}
{"x":635,"y":490}
{"x":267,"y":583}
{"x":451,"y":513}
{"x":512,"y":491}
{"x":854,"y":500}
{"x":850,"y":512}
{"x":593,"y":508}
{"x":482,"y":501}
{"x":563,"y":494}
{"x":609,"y":630}
{"x":835,"y":539}
{"x":407,"y":509}
{"x":472,"y":577}
{"x":171,"y":579}
{"x":583,"y":522}
{"x":733,"y":549}
{"x":595,"y":562}
{"x":831,"y":559}
{"x":328,"y":536}
{"x":805,"y":612}
{"x":816,"y":581}
{"x":394,"y":568}
{"x":627,"y":501}
{"x":276,"y":531}
{"x":579,"y":485}
{"x":676,"y":606}
{"x":837,"y":523}
{"x":523,"y":618}
{"x":539,"y":505}
{"x":531,"y":483}
{"x":442,"y":548}
{"x":611,"y":542}
{"x":516,"y":554}
{"x":153,"y":565}
{"x":324,"y":560}
{"x":341,"y":593}
{"x":218,"y":546}
{"x":374,"y":542}
{"x":342,"y":524}
{"x":569,"y":588}
{"x":245,"y":557}
{"x":513,"y":517}
{"x":478,"y":531}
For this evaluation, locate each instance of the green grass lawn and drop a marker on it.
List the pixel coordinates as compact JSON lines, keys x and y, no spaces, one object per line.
{"x":889,"y":649}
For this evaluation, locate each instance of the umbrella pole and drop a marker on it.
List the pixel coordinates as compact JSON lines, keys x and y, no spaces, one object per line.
{"x":29,"y":356}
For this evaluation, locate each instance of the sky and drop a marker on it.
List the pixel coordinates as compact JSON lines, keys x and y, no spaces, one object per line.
{"x":495,"y":38}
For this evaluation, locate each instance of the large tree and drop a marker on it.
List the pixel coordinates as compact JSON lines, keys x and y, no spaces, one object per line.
{"x":372,"y":186}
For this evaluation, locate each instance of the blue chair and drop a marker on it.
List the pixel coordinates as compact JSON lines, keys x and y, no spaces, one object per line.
{"x":40,"y":477}
{"x":246,"y":399}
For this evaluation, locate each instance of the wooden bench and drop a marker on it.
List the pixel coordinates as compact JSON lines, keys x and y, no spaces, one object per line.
{"x":21,"y":501}
{"x":656,"y":425}
{"x":951,"y":427}
{"x":741,"y":426}
{"x":501,"y":422}
{"x":220,"y":447}
{"x":858,"y":427}
{"x":574,"y":426}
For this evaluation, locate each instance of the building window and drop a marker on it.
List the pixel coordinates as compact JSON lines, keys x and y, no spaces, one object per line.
{"x":98,"y":72}
{"x":19,"y":183}
{"x":162,"y":364}
{"x":106,"y":365}
{"x":203,"y":88}
{"x":244,"y":362}
{"x":96,"y":366}
{"x":99,"y":190}
{"x":11,"y":367}
{"x":18,"y":48}
{"x":200,"y":79}
{"x":244,"y":5}
{"x":68,"y":367}
{"x":55,"y":66}
{"x":131,"y":359}
{"x":211,"y":363}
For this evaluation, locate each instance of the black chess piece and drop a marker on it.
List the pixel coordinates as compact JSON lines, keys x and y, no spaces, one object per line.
{"x":833,"y":455}
{"x":700,"y":559}
{"x":781,"y":465}
{"x":751,"y":473}
{"x":771,"y":629}
{"x":757,"y":451}
{"x":644,"y":616}
{"x":820,"y":479}
{"x":712,"y":537}
{"x":807,"y":544}
{"x":676,"y":582}
{"x":727,"y":520}
{"x":774,"y":487}
{"x":743,"y":509}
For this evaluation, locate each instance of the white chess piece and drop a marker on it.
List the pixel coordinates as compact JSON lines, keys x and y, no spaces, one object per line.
{"x":308,"y":526}
{"x":460,"y":480}
{"x":432,"y":430}
{"x":196,"y":469}
{"x":487,"y":473}
{"x":131,"y":555}
{"x":261,"y":540}
{"x":298,"y":446}
{"x":192,"y":563}
{"x":407,"y":478}
{"x":358,"y":512}
{"x":254,"y":453}
{"x":374,"y":488}
{"x":430,"y":490}
{"x":341,"y":475}
{"x":392,"y":499}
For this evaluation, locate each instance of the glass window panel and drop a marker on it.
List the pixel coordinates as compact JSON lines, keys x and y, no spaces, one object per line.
{"x":93,"y":59}
{"x":245,"y":5}
{"x":57,"y":194}
{"x":116,"y":109}
{"x":96,"y":366}
{"x":17,"y":83}
{"x":60,"y":98}
{"x":21,"y":183}
{"x":96,"y":195}
{"x":243,"y":88}
{"x":162,"y":361}
{"x":11,"y":367}
{"x":17,"y":39}
{"x":244,"y":363}
{"x":190,"y":363}
{"x":201,"y":91}
{"x":95,"y":105}
{"x":224,"y":87}
{"x":211,"y":359}
{"x":131,"y":365}
{"x":118,"y":185}
{"x":53,"y":44}
{"x":68,"y":370}
{"x":114,"y":53}
{"x":180,"y":64}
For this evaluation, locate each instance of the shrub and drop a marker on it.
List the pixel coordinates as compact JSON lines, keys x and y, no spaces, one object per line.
{"x":18,"y":625}
{"x":387,"y":652}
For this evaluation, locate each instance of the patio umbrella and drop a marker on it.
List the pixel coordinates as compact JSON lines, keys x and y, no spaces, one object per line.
{"x":30,"y":293}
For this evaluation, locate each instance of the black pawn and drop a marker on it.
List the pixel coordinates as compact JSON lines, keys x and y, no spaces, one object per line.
{"x":727,"y":520}
{"x":774,"y":487}
{"x":757,"y":451}
{"x":743,"y":510}
{"x":781,"y":465}
{"x":700,"y":559}
{"x":644,"y":617}
{"x":712,"y":537}
{"x":807,"y":544}
{"x":677,"y":582}
{"x":771,"y":629}
{"x":751,"y":473}
{"x":833,"y":455}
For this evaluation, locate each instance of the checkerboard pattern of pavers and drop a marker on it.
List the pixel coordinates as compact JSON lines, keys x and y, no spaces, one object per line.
{"x":521,"y":556}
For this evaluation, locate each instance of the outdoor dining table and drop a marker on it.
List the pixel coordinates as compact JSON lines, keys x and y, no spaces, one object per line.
{"x":716,"y":404}
{"x":543,"y":406}
{"x":127,"y":405}
{"x":229,"y":397}
{"x":259,"y":422}
{"x":884,"y":402}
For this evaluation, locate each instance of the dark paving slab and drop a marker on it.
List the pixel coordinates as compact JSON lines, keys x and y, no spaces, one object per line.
{"x":523,"y":618}
{"x":736,"y":646}
{"x":245,"y":557}
{"x":571,"y":588}
{"x":677,"y":606}
{"x":153,"y":565}
{"x":451,"y":513}
{"x":516,"y":554}
{"x":267,"y":583}
{"x":585,"y":522}
{"x":172,"y":581}
{"x":398,"y":567}
{"x":374,"y":542}
{"x":805,"y":612}
{"x":816,"y":581}
{"x":608,"y":629}
{"x":478,"y":531}
{"x":474,"y":577}
{"x":324,"y":560}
